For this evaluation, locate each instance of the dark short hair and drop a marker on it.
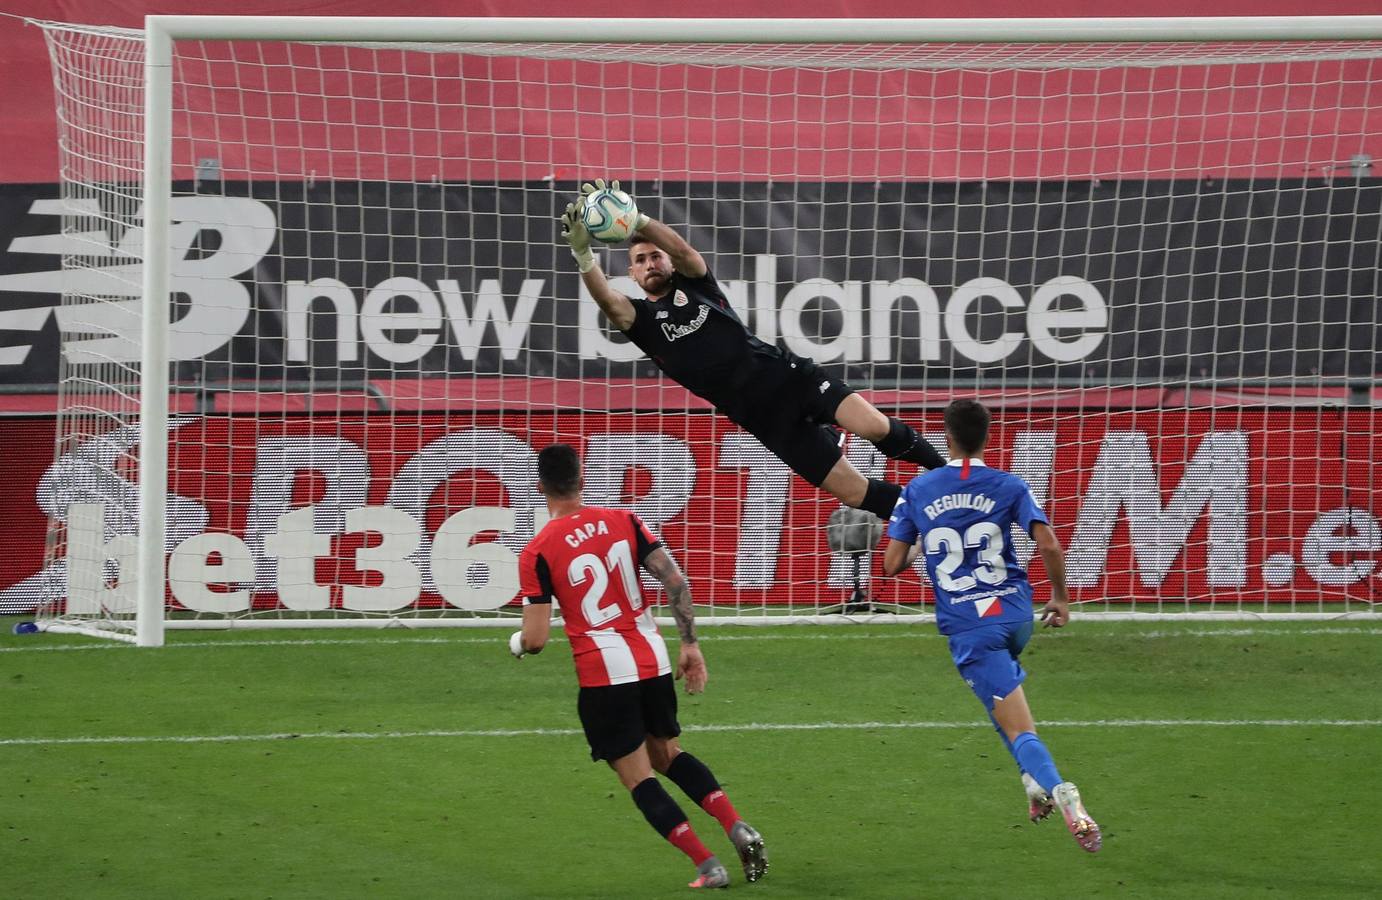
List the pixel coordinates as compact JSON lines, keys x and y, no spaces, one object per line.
{"x":639,"y":237}
{"x":968,"y":423}
{"x":559,"y":470}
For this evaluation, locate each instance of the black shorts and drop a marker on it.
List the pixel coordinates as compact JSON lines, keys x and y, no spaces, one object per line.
{"x":619,"y":717}
{"x":788,"y":408}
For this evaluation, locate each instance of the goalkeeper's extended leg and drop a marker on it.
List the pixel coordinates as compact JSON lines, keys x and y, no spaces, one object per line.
{"x":902,"y":442}
{"x":893,"y":437}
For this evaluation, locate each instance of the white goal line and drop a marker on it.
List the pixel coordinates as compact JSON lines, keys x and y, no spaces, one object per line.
{"x":749,"y":634}
{"x":744,"y":728}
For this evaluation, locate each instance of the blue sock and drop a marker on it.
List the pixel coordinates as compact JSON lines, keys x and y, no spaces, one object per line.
{"x":1006,"y":743}
{"x":1034,"y":758}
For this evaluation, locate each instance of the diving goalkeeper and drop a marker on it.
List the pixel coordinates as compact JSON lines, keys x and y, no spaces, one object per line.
{"x":688,"y":328}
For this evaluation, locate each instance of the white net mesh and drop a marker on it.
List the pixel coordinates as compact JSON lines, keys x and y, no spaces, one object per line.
{"x":1157,"y":262}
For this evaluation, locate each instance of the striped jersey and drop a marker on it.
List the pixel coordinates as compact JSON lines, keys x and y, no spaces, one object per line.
{"x":588,"y":561}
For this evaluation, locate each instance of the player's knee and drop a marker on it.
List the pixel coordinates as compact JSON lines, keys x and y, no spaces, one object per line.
{"x":897,"y":438}
{"x":857,"y":415}
{"x":661,"y":753}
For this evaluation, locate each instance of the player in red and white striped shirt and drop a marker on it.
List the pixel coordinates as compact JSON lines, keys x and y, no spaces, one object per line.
{"x":587,"y":559}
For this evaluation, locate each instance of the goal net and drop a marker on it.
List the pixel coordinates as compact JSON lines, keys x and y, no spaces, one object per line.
{"x":1154,"y":257}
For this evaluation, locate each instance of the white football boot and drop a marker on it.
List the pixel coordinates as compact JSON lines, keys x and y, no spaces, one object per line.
{"x":1077,"y":819}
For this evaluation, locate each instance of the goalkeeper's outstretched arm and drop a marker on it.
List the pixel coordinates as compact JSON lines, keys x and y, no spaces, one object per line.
{"x":685,"y":258}
{"x":616,"y":307}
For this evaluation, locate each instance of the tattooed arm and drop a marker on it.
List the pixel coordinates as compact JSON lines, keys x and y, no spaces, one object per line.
{"x":665,"y":570}
{"x":690,"y":662}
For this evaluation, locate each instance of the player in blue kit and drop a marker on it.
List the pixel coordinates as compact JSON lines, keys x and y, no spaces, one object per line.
{"x":961,"y":516}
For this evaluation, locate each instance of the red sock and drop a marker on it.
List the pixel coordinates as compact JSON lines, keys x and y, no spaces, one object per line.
{"x":685,"y":840}
{"x":718,"y":805}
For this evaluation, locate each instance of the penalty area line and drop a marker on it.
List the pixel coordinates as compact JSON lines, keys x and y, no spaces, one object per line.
{"x":743,"y":728}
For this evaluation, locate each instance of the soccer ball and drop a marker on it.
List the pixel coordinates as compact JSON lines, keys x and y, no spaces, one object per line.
{"x":610,"y":216}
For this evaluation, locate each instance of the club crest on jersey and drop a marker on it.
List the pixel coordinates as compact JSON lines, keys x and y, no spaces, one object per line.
{"x":680,"y":298}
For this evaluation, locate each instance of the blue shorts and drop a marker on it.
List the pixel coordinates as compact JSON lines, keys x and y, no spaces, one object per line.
{"x":987,"y":659}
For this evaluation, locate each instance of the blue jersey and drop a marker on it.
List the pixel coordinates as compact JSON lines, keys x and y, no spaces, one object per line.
{"x":964,"y":519}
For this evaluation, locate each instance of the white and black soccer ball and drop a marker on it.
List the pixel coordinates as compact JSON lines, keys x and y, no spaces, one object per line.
{"x":610,"y":216}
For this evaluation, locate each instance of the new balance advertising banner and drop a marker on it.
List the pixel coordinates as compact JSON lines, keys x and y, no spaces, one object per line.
{"x":888,"y":281}
{"x":379,"y":513}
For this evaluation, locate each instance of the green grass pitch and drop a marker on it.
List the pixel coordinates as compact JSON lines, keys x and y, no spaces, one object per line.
{"x":1223,"y":760}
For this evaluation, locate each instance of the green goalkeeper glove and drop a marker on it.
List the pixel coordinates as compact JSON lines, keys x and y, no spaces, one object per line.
{"x":573,"y":222}
{"x":577,"y":235}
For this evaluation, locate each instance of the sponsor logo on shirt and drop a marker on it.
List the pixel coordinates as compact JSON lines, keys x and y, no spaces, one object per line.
{"x":672,"y":332}
{"x":985,"y":595}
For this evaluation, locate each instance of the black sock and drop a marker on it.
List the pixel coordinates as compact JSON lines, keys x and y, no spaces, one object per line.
{"x":692,"y":776}
{"x":880,"y":497}
{"x":657,"y":806}
{"x":902,"y":442}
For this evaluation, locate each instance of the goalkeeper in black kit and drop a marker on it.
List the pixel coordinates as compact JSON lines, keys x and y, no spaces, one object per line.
{"x":687,"y":326}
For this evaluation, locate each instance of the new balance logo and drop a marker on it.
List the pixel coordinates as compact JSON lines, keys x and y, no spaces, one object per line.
{"x":825,"y":386}
{"x":95,"y":328}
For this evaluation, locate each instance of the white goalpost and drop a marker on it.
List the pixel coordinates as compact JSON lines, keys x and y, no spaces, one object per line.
{"x":318,"y":318}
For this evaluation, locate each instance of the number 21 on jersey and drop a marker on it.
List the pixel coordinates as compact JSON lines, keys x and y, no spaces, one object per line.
{"x":595,"y":606}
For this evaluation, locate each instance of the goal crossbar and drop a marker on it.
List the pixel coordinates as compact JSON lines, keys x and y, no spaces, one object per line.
{"x":781,"y":31}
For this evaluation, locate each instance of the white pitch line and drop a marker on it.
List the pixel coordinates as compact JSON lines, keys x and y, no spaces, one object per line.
{"x":736,"y":729}
{"x":716,"y":638}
